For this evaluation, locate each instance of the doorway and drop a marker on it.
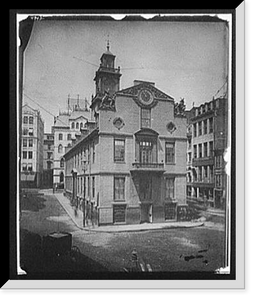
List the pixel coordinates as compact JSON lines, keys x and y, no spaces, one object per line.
{"x":146,"y":213}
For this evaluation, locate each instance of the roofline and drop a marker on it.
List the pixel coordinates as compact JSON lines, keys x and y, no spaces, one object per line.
{"x":90,"y":135}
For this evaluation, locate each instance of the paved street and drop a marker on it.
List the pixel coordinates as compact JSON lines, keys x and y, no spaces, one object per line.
{"x":169,"y":250}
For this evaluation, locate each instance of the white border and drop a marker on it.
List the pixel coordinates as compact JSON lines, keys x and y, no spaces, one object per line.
{"x":182,"y":284}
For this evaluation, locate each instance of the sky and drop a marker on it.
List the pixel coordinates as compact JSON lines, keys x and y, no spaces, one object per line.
{"x":185,"y":60}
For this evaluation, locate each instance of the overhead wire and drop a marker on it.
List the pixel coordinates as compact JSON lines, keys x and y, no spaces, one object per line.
{"x":43,"y":108}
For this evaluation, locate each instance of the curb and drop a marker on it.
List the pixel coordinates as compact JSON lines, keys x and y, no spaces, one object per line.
{"x":90,"y":229}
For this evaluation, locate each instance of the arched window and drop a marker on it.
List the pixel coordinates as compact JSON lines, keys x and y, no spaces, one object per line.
{"x":77,"y":125}
{"x":60,"y":148}
{"x":60,"y":136}
{"x":69,"y":136}
{"x":73,"y":125}
{"x":81,"y":125}
{"x":62,"y":162}
{"x":61,"y":177}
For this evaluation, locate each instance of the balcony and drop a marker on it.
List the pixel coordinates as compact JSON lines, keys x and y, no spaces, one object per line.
{"x":109,"y":69}
{"x":147,"y":167}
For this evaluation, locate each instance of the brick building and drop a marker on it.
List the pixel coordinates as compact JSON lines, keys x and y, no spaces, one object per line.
{"x":132,"y":166}
{"x":207,"y":142}
{"x":31,"y":147}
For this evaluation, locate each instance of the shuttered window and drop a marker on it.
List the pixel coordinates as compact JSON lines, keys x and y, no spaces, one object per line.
{"x":119,"y":188}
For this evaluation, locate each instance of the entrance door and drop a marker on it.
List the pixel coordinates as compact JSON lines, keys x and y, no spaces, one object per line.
{"x":146,"y":213}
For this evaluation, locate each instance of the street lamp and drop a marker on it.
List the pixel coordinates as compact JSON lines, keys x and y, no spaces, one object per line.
{"x":84,"y":166}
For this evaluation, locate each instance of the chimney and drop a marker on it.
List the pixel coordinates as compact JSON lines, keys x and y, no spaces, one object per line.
{"x":136,"y":82}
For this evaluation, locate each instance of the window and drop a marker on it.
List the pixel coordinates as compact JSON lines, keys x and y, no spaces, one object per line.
{"x":24,"y":167}
{"x":69,"y":136}
{"x":218,"y":180}
{"x":25,"y":120}
{"x":200,"y":128}
{"x":210,"y":125}
{"x":218,"y":161}
{"x":119,"y":185}
{"x":73,"y":125}
{"x":145,"y":118}
{"x":60,"y":136}
{"x":169,"y":188}
{"x":31,"y":120}
{"x":211,"y":149}
{"x":205,"y":171}
{"x":199,"y":173}
{"x":30,"y":142}
{"x":200,"y":150}
{"x":30,"y":132}
{"x":189,"y":143}
{"x":93,"y":152}
{"x":49,"y":165}
{"x":119,"y":150}
{"x":24,"y":131}
{"x":88,"y":184}
{"x":60,"y":148}
{"x":61,"y":177}
{"x":62,"y":162}
{"x":24,"y":154}
{"x":195,"y":131}
{"x":93,"y":187}
{"x":205,"y":127}
{"x":30,"y":154}
{"x":170,"y":153}
{"x":205,"y":150}
{"x":85,"y":185}
{"x":25,"y":142}
{"x":30,"y":168}
{"x":77,"y":125}
{"x":146,"y":155}
{"x":195,"y":151}
{"x":211,"y":173}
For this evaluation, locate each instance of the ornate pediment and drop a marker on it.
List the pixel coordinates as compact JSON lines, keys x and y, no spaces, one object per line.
{"x":108,"y":102}
{"x":145,"y":95}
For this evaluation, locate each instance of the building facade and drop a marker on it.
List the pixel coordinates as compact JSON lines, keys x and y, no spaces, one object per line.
{"x":207,"y":141}
{"x":132,"y":167}
{"x":31,"y":147}
{"x":67,"y":127}
{"x":48,"y":160}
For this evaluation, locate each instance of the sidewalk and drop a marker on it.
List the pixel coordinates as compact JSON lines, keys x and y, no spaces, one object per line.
{"x":78,"y":220}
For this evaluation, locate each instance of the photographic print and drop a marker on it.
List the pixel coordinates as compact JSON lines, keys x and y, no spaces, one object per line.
{"x":124,"y":140}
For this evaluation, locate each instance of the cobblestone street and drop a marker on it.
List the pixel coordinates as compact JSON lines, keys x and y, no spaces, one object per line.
{"x":169,"y":250}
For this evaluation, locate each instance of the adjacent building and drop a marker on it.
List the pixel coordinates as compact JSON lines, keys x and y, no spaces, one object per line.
{"x":130,"y":168}
{"x":31,"y":147}
{"x":207,"y":142}
{"x":67,"y":127}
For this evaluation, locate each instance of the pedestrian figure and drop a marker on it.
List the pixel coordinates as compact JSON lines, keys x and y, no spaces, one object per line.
{"x":87,"y":212}
{"x":92,"y":215}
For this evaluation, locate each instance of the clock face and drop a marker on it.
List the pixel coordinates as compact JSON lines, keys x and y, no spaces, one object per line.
{"x":146,"y":97}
